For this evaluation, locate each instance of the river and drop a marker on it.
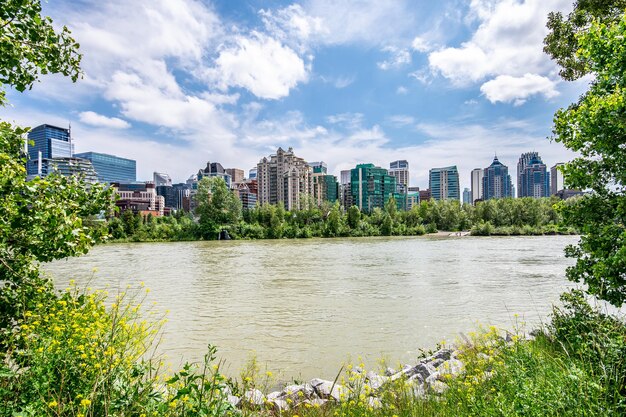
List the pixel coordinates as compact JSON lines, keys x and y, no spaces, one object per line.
{"x":303,"y":307}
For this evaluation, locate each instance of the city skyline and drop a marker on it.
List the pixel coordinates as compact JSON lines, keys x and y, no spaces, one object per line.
{"x":171,"y":84}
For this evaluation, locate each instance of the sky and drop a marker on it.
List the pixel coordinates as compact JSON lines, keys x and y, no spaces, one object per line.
{"x":176,"y":83}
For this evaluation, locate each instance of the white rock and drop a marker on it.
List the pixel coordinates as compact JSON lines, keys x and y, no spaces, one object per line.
{"x":254,"y":397}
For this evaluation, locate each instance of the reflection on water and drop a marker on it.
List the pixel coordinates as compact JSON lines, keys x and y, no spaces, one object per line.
{"x":303,"y":306}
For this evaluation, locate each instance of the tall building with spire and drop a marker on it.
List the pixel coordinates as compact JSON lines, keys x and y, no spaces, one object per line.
{"x":497,"y":181}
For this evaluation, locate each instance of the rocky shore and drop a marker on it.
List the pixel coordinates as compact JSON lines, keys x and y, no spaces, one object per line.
{"x":427,"y":377}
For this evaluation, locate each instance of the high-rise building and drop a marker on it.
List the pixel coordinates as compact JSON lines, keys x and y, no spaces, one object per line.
{"x":372,"y":187}
{"x":161,"y":179}
{"x":556,"y":179}
{"x":444,"y":183}
{"x":425,"y":195}
{"x":176,"y":195}
{"x":214,"y":169}
{"x":496,"y":181}
{"x":400,"y":170}
{"x":477,"y":184}
{"x":325,"y":188}
{"x":47,"y":142}
{"x":252,"y":174}
{"x":534,"y":178}
{"x":412,"y":200}
{"x":467,"y":196}
{"x":521,"y":164}
{"x":236,"y":175}
{"x":111,"y":168}
{"x":345,"y":176}
{"x":284,"y":177}
{"x":68,"y":167}
{"x":319,"y":167}
{"x":247,"y":197}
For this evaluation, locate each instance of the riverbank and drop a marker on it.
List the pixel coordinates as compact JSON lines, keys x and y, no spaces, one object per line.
{"x":523,"y":216}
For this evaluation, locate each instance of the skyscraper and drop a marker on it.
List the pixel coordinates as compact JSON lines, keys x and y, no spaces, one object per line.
{"x":319,"y":167}
{"x":444,"y":183}
{"x":400,"y":170}
{"x":556,"y":179}
{"x":236,"y":175}
{"x":477,"y":184}
{"x":467,"y":196}
{"x":215,"y":169}
{"x":284,"y":177}
{"x":497,"y":181}
{"x":48,"y":142}
{"x":372,"y":186}
{"x":521,"y":164}
{"x":534,"y":179}
{"x":111,"y":168}
{"x":161,"y":179}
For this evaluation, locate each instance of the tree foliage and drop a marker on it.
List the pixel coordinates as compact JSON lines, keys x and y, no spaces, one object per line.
{"x":595,"y":127}
{"x":562,"y":43}
{"x":29,"y":46}
{"x":217,"y":206}
{"x":42,"y":219}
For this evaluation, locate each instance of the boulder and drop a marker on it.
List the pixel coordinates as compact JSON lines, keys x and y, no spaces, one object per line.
{"x":274,"y":395}
{"x":438,"y":387}
{"x":374,"y":402}
{"x":233,"y":400}
{"x":278,"y":404}
{"x":422,"y":371}
{"x":326,"y":389}
{"x":444,"y":354}
{"x":453,"y":367}
{"x":390,"y":371}
{"x":316,"y":402}
{"x":375,"y":381}
{"x":254,"y":397}
{"x":298,"y":392}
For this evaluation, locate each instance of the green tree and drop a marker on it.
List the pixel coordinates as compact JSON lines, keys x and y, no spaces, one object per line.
{"x":29,"y":46}
{"x":562,"y":43}
{"x":595,"y":128}
{"x":354,"y":217}
{"x":42,"y":219}
{"x":217,"y":207}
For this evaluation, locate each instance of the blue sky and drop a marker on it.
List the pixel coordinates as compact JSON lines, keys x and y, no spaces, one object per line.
{"x":176,"y":83}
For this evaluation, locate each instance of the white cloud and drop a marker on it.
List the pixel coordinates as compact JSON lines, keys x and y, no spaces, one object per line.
{"x":259,"y":64}
{"x":421,"y":45}
{"x":339,"y":81}
{"x":98,"y":120}
{"x":399,"y":57}
{"x":508,"y":41}
{"x":371,"y":21}
{"x":402,"y":90}
{"x":507,"y":89}
{"x":349,"y":120}
{"x":401,"y":120}
{"x":293,"y":26}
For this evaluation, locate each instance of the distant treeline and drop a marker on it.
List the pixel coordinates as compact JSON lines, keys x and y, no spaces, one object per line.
{"x":507,"y":216}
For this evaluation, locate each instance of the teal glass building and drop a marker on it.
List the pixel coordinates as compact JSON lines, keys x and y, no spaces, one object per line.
{"x":111,"y":168}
